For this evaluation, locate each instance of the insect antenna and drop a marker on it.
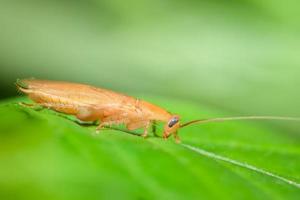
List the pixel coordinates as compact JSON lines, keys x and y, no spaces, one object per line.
{"x":223,"y":119}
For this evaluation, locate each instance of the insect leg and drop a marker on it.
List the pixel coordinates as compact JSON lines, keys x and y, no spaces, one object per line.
{"x":154,"y":129}
{"x":145,"y":134}
{"x":107,"y":123}
{"x":34,"y":106}
{"x":100,"y":126}
{"x":177,"y":139}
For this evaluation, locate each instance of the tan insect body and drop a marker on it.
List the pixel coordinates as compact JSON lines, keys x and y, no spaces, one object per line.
{"x":89,"y":103}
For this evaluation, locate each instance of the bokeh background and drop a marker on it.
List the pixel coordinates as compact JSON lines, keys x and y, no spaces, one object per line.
{"x":198,"y":58}
{"x":238,"y":55}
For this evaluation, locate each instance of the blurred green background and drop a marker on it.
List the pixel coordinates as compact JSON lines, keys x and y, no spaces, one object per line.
{"x":239,"y":57}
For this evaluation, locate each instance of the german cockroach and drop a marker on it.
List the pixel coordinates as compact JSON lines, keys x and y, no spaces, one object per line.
{"x":89,"y":103}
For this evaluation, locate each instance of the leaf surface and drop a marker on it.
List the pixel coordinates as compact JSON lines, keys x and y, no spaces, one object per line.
{"x":44,"y":155}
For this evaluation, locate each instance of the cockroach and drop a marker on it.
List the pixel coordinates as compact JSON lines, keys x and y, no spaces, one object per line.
{"x":88,"y":103}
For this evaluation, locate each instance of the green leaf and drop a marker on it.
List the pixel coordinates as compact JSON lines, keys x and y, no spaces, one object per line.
{"x":46,"y":156}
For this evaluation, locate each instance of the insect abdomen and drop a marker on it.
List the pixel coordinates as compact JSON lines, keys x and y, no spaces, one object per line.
{"x":48,"y":98}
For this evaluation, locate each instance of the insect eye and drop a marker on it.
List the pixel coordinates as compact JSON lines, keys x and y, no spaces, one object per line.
{"x":173,"y":122}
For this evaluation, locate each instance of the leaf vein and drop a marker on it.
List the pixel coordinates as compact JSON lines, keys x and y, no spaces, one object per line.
{"x":240,"y":164}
